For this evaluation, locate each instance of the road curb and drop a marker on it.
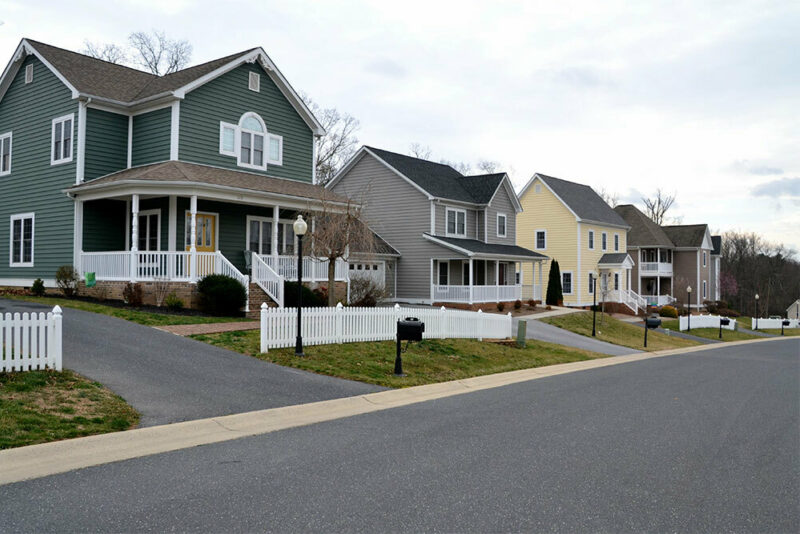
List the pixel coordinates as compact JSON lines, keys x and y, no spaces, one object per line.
{"x":46,"y":459}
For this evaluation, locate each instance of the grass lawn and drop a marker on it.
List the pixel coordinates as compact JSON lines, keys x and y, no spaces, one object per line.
{"x":777,"y":331}
{"x":432,"y":360}
{"x":41,"y":406}
{"x":129,"y":314}
{"x":710,"y":333}
{"x":618,"y":332}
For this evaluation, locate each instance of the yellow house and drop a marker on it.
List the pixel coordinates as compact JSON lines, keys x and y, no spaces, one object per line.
{"x":572,"y":224}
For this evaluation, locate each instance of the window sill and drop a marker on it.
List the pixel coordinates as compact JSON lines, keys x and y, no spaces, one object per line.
{"x":20,"y":264}
{"x":60,"y":161}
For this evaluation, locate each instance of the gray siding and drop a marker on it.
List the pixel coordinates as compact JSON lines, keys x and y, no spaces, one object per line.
{"x":34,"y":185}
{"x":400,"y":214}
{"x":226,"y":99}
{"x":106,"y":143}
{"x":151,"y":135}
{"x":501,"y":203}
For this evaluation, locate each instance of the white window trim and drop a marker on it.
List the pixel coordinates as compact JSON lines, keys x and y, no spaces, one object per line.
{"x":16,"y":217}
{"x":267,"y":157}
{"x":536,"y":239}
{"x":604,"y":241}
{"x":8,"y":136}
{"x":456,"y":234}
{"x":254,"y":77}
{"x":263,"y":133}
{"x":261,"y":218}
{"x":571,"y":283}
{"x":70,"y":117}
{"x":235,"y":128}
{"x":591,"y":240}
{"x":29,"y":73}
{"x":145,"y":213}
{"x":188,"y":213}
{"x":616,"y":242}
{"x":505,"y":225}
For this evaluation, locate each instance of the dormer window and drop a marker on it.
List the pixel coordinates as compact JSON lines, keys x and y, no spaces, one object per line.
{"x":250,"y":143}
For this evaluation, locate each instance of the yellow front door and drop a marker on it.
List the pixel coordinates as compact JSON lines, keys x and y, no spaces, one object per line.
{"x":206,"y":240}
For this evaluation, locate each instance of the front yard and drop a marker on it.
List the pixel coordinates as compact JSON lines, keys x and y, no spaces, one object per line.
{"x":618,"y":332}
{"x":432,"y":360}
{"x":709,"y":333}
{"x":42,"y":406}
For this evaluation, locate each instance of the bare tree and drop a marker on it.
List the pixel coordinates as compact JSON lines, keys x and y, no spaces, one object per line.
{"x":461,"y":166}
{"x":338,"y":231}
{"x":107,"y":52}
{"x":487,"y":166}
{"x":612,"y":199}
{"x":157,"y":53}
{"x":657,"y":206}
{"x":418,"y":150}
{"x":338,"y":144}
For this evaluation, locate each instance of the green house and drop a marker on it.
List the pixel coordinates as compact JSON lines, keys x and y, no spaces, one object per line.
{"x":155,"y":179}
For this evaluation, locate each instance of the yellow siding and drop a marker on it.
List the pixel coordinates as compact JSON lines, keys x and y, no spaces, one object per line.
{"x":589,"y":258}
{"x":543,"y":211}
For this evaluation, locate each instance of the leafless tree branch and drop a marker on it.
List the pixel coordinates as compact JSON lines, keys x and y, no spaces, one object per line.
{"x":657,"y":206}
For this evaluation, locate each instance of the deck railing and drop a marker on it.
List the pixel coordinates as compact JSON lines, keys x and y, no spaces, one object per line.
{"x":314,"y":269}
{"x":267,"y":279}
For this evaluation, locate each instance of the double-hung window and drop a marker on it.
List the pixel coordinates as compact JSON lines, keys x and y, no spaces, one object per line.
{"x":566,"y":283}
{"x":591,"y":239}
{"x":591,"y":283}
{"x":501,"y":225}
{"x":616,"y":242}
{"x":22,"y":240}
{"x":250,"y":143}
{"x":61,"y":149}
{"x":5,"y":153}
{"x":541,"y":239}
{"x":616,"y":281}
{"x":603,"y":241}
{"x":704,"y":258}
{"x":259,"y":235}
{"x":456,"y":222}
{"x":150,"y":230}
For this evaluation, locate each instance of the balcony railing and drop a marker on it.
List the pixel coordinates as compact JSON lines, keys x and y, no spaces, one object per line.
{"x":656,"y":268}
{"x":467,"y":294}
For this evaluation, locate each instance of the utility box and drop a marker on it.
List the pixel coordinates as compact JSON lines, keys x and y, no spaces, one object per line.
{"x":652,"y":322}
{"x":410,"y":329}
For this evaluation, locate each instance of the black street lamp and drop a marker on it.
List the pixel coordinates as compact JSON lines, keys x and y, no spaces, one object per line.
{"x":756,"y":311}
{"x":594,"y":305}
{"x":300,"y":228}
{"x":689,"y":308}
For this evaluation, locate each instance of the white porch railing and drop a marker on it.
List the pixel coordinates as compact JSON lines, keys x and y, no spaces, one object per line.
{"x":30,"y":341}
{"x":267,"y":279}
{"x":314,"y":269}
{"x":656,"y":268}
{"x":467,"y":294}
{"x":345,"y":324}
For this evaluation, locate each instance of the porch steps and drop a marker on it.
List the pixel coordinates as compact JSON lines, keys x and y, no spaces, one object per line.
{"x":257,"y":296}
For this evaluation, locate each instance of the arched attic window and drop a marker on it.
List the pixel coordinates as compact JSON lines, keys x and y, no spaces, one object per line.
{"x":248,"y":140}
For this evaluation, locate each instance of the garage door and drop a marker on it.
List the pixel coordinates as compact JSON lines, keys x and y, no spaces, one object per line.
{"x":374,"y":270}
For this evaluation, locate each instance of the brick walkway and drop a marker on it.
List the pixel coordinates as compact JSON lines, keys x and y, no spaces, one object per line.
{"x":208,"y":328}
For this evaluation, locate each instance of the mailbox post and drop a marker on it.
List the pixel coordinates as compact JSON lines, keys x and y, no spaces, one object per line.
{"x":723,"y":321}
{"x":409,"y":329}
{"x":650,"y":322}
{"x":784,"y":323}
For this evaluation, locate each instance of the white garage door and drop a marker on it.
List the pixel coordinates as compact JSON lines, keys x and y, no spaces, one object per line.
{"x":375,"y":270}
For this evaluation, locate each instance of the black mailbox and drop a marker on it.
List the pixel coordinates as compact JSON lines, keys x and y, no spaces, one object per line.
{"x":786,"y":322}
{"x":652,"y":322}
{"x":410,"y":329}
{"x":724,"y":321}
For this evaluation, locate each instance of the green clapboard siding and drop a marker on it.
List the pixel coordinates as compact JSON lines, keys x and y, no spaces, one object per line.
{"x":104,"y":225}
{"x":34,"y":185}
{"x":106,"y":143}
{"x":226,"y":99}
{"x":151,"y":137}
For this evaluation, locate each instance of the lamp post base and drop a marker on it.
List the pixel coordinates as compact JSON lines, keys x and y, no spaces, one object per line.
{"x":298,"y":347}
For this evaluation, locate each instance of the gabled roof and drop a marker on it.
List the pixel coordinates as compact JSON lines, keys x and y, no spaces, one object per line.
{"x":125,"y":87}
{"x":614,"y":259}
{"x":581,"y":199}
{"x":644,"y":232}
{"x":687,"y":235}
{"x":438,"y":180}
{"x":716,"y":240}
{"x":473,"y":247}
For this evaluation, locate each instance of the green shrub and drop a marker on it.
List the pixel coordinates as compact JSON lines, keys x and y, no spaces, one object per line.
{"x":172,"y":302}
{"x":221,"y":295}
{"x":37,"y":287}
{"x":311,"y":299}
{"x":669,"y":311}
{"x":67,"y":280}
{"x":133,"y":295}
{"x":517,"y":304}
{"x":726,"y":312}
{"x":554,"y":290}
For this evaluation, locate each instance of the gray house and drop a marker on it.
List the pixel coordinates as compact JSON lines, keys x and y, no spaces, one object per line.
{"x":692,"y":262}
{"x":456,"y":234}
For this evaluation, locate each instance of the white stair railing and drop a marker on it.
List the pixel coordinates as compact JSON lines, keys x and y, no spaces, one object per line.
{"x":267,"y":279}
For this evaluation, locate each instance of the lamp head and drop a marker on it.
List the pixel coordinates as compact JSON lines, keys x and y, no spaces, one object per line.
{"x":756,"y":296}
{"x":689,"y":289}
{"x":300,"y":226}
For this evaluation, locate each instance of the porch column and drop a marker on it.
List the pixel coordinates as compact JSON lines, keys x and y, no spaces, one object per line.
{"x":469,"y":270}
{"x":77,"y":242}
{"x":172,"y":237}
{"x":628,"y":287}
{"x":134,"y":235}
{"x":497,"y":280}
{"x":658,"y":287}
{"x":275,"y":216}
{"x":193,"y":237}
{"x":541,"y":284}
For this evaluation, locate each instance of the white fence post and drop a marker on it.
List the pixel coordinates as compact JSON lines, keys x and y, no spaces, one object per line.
{"x":57,"y":356}
{"x":339,"y":318}
{"x":264,"y":332}
{"x":442,"y":322}
{"x":480,"y":323}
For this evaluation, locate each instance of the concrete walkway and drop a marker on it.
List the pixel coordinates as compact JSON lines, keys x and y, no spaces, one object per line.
{"x":553,"y":334}
{"x":170,"y":379}
{"x":209,"y":328}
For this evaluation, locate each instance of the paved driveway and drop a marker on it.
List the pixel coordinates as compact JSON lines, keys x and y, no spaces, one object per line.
{"x":553,"y":334}
{"x":168,"y":378}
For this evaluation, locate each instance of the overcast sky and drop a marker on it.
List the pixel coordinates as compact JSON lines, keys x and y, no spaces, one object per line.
{"x":698,"y":98}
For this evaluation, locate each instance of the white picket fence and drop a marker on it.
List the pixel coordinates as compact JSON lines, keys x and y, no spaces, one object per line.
{"x":773,"y":323}
{"x":705,"y":321}
{"x":30,"y":341}
{"x":341,"y":324}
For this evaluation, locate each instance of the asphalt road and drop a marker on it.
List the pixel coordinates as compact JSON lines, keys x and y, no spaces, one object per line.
{"x":553,"y":334}
{"x":703,"y":442}
{"x":168,"y":378}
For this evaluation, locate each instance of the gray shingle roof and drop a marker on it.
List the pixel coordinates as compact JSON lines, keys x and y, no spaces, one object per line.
{"x":479,"y":247}
{"x":716,"y":240}
{"x":583,"y":201}
{"x":180,"y":171}
{"x":644,"y":232}
{"x":116,"y":82}
{"x":612,"y":258}
{"x":441,"y":180}
{"x":686,"y":235}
